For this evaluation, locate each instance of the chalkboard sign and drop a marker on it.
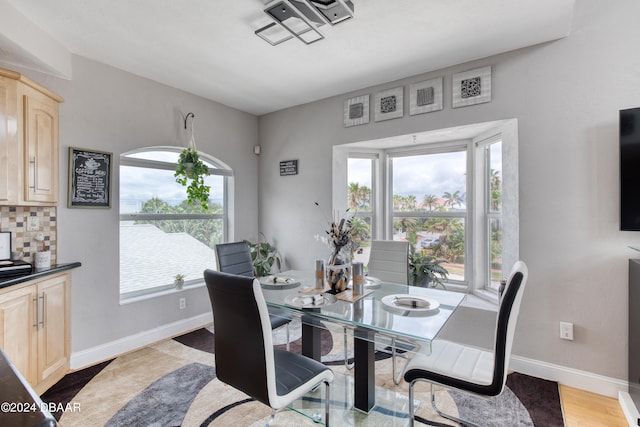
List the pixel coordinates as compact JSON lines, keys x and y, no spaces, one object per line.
{"x":289,"y":167}
{"x":89,"y":178}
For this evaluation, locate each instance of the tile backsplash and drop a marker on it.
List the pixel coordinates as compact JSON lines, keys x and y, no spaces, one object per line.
{"x":24,"y":222}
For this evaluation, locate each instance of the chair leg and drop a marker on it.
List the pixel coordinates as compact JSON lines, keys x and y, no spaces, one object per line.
{"x":287,"y":326}
{"x":397,"y":376}
{"x":346,"y":353}
{"x":448,"y":416}
{"x":327,"y":401}
{"x":411,"y":404}
{"x":273,"y":415}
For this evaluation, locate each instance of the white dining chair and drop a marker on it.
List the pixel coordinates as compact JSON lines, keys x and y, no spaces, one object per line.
{"x":470,"y":369}
{"x":389,"y":261}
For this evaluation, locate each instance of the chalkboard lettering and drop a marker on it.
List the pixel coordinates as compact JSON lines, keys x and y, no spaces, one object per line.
{"x":289,"y":167}
{"x":89,"y":178}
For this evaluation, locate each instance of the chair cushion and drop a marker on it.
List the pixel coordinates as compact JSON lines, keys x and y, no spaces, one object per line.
{"x":277,"y":320}
{"x":295,"y":376}
{"x":453,"y":360}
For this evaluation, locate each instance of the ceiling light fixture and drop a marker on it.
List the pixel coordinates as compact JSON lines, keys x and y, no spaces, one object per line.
{"x":301,"y":18}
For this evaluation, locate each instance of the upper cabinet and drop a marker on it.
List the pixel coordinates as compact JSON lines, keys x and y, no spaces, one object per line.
{"x":28,"y":142}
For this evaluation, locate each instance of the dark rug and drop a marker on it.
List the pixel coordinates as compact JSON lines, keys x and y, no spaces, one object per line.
{"x":166,"y":401}
{"x":526,"y":401}
{"x":66,"y":389}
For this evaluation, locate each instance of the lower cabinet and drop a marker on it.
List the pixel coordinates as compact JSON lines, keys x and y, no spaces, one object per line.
{"x":34,"y":328}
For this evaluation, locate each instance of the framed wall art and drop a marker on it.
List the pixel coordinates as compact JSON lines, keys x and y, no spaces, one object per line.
{"x":356,"y":111}
{"x":425,"y":97}
{"x":471,"y":87}
{"x":389,"y":104}
{"x":89,"y":178}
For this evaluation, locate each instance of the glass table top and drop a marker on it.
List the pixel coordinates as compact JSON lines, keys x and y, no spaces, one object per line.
{"x":378,"y":310}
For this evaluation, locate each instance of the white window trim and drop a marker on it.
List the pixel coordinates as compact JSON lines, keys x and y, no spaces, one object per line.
{"x":219,"y":169}
{"x":475,"y":249}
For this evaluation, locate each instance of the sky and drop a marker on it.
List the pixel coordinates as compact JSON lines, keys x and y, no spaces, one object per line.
{"x":138,"y":185}
{"x":418,"y":175}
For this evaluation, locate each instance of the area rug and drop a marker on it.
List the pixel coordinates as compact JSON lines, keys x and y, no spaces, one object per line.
{"x":173,"y":383}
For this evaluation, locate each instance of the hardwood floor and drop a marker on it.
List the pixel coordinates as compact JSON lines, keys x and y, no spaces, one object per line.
{"x":585,"y":409}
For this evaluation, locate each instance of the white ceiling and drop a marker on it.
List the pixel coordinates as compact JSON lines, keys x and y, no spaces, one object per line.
{"x":208,"y":47}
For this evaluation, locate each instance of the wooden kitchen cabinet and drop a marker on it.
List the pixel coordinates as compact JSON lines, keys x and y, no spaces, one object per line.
{"x":28,"y":142}
{"x":17,"y":337}
{"x":9,"y":150}
{"x":35,"y":328}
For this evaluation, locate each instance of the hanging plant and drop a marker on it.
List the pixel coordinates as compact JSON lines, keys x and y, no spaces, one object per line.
{"x":191,"y":173}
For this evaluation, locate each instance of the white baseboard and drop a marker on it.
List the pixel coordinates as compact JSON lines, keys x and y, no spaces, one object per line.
{"x":571,"y":377}
{"x":568,"y":376}
{"x":629,"y":408}
{"x":100,"y":353}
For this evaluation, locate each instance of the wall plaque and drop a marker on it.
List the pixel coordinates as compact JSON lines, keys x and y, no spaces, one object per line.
{"x":289,"y":167}
{"x":89,"y":178}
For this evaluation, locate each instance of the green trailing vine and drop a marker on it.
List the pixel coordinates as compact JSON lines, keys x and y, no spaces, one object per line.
{"x":191,"y":172}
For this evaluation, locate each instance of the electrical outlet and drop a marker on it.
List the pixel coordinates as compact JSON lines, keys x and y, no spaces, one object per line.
{"x":566,"y":331}
{"x":183,"y":303}
{"x":33,"y":223}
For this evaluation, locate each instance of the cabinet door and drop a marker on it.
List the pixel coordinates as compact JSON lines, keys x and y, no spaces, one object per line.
{"x":41,"y":149}
{"x":18,"y":330}
{"x":9,"y":147}
{"x":53,"y":338}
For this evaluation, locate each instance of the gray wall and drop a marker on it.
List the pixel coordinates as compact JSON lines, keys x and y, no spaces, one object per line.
{"x":566,"y":96}
{"x":108,"y":109}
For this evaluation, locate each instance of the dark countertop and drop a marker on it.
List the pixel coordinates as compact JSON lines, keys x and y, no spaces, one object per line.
{"x":21,"y":406}
{"x":37,"y":273}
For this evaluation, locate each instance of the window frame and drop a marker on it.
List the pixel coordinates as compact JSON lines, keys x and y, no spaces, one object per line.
{"x":429,"y":149}
{"x":218,"y":169}
{"x":477,"y":241}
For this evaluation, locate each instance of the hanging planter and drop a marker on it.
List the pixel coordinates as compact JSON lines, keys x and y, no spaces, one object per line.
{"x":191,"y":172}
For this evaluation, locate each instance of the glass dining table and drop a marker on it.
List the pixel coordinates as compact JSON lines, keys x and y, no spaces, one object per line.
{"x":386,"y":311}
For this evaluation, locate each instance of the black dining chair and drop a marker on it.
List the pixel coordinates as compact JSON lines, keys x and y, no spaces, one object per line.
{"x":244,"y":354}
{"x":235,"y":258}
{"x":470,"y":369}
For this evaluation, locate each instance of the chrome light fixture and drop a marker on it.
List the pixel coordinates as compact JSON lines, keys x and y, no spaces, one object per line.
{"x":334,"y":11}
{"x":301,"y":19}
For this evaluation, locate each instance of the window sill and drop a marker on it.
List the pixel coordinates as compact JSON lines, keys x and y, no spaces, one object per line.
{"x":482,"y":299}
{"x":157,"y":294}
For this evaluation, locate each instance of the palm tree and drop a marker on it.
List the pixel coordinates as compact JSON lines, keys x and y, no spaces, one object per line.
{"x":398,"y":202}
{"x":430,"y":200}
{"x":360,"y":232}
{"x":354,"y":194}
{"x":365,"y":197}
{"x":411,"y":201}
{"x":452,"y":199}
{"x":495,"y":187}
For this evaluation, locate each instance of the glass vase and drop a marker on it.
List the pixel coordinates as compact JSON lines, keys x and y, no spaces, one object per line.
{"x":339,"y":271}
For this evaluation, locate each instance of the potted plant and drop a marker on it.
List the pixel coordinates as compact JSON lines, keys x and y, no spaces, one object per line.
{"x":426,"y":270}
{"x":178,"y":281}
{"x":191,"y":172}
{"x":263,"y":256}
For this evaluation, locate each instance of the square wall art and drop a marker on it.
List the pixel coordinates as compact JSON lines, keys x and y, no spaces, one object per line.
{"x":471,"y":87}
{"x":389,"y":104}
{"x":425,"y":97}
{"x":356,"y":111}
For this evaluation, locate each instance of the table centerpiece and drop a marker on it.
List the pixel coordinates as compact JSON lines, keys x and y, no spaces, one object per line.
{"x":340,"y":242}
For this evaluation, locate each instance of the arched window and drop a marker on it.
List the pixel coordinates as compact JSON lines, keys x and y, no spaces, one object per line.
{"x":161,"y":235}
